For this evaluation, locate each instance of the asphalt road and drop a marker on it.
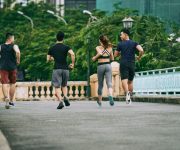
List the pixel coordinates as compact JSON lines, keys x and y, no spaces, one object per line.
{"x":84,"y":126}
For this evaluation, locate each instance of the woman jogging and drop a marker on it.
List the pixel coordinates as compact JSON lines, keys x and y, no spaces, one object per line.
{"x":104,"y":56}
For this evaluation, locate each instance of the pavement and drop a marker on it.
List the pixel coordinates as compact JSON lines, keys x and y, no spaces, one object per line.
{"x":38,"y":125}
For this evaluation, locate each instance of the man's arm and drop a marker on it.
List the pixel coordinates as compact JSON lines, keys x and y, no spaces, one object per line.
{"x":116,"y":53}
{"x":111,"y":56}
{"x":18,"y":53}
{"x":49,"y":58}
{"x":71,"y":53}
{"x":141,"y":52}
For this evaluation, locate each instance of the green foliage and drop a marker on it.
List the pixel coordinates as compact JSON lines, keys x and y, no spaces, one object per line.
{"x":148,"y":31}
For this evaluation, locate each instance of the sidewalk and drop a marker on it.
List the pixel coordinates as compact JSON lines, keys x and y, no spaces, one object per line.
{"x":38,"y":125}
{"x":3,"y":142}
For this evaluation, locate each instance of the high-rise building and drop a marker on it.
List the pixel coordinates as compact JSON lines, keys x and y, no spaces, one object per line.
{"x":88,"y":4}
{"x":165,"y":9}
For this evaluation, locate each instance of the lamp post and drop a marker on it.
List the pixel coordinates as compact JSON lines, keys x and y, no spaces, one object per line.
{"x":88,"y":65}
{"x":91,"y":19}
{"x":27,"y":17}
{"x":57,"y":16}
{"x":127,"y":22}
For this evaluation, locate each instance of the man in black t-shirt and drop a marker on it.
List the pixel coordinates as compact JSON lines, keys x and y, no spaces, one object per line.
{"x":60,"y":74}
{"x":9,"y":59}
{"x":127,"y":49}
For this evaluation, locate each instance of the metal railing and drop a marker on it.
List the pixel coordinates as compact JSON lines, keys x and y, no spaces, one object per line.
{"x":158,"y":82}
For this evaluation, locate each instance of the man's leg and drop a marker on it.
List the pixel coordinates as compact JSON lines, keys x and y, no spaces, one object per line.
{"x":5,"y":90}
{"x":12,"y":91}
{"x":125,"y":85}
{"x":64,"y":90}
{"x":58,"y":93}
{"x":12,"y":78}
{"x":130,"y":86}
{"x":65,"y":78}
{"x":5,"y":93}
{"x":56,"y":82}
{"x":4,"y":80}
{"x":66,"y":101}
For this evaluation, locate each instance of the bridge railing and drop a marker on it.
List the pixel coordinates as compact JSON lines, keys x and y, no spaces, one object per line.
{"x":158,"y":82}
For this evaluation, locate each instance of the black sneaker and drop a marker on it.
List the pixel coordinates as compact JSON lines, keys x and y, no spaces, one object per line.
{"x":60,"y":106}
{"x":66,"y":101}
{"x":11,"y":103}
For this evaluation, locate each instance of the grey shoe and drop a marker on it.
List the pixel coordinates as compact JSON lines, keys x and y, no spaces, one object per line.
{"x":7,"y":103}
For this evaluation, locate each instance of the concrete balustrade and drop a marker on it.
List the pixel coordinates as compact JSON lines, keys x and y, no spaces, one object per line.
{"x":44,"y":90}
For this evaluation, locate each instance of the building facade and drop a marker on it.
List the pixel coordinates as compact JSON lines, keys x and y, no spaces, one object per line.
{"x":165,"y":9}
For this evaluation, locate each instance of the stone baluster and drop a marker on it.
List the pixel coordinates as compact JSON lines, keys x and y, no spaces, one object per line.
{"x":76,"y":91}
{"x":30,"y":92}
{"x":82,"y":91}
{"x":42,"y":92}
{"x":70,"y":92}
{"x":36,"y":92}
{"x":48,"y":92}
{"x":53,"y":93}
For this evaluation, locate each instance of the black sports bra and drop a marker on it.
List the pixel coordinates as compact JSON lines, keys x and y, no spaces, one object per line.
{"x":103,"y":52}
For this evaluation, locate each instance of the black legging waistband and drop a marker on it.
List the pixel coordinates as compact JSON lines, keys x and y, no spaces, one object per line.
{"x":102,"y":63}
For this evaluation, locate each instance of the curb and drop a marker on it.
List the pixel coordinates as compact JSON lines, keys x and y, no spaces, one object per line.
{"x":148,"y":99}
{"x":4,"y":145}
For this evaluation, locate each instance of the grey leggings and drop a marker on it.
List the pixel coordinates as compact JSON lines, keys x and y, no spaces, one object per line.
{"x":104,"y":70}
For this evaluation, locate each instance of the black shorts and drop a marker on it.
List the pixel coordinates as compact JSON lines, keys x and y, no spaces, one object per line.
{"x":127,"y":70}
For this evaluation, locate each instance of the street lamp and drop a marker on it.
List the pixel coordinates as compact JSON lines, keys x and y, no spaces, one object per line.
{"x":127,"y":22}
{"x":31,"y":21}
{"x":57,"y":16}
{"x":91,"y":18}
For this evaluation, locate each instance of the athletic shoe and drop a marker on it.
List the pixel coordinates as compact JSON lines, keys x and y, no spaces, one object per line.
{"x":60,"y":106}
{"x":111,"y":101}
{"x":11,"y":103}
{"x":7,"y":103}
{"x":66,"y":101}
{"x":128,"y":98}
{"x":99,"y":103}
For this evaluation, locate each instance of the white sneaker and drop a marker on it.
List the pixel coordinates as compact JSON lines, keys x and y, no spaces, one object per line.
{"x":128,"y":98}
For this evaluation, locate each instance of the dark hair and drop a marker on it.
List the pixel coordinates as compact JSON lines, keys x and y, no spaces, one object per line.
{"x":60,"y":36}
{"x":105,"y":41}
{"x":8,"y":35}
{"x":126,"y":31}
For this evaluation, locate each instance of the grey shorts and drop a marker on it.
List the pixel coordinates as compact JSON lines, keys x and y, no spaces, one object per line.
{"x":60,"y":77}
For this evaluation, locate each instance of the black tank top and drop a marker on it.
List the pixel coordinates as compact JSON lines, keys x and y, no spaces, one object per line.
{"x":7,"y":57}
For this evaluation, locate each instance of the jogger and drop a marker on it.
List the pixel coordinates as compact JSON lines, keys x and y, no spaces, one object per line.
{"x":9,"y":59}
{"x":104,"y":56}
{"x":60,"y":75}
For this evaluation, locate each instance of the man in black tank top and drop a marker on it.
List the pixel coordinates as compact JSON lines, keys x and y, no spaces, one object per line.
{"x":127,"y":49}
{"x":60,"y":76}
{"x":9,"y":59}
